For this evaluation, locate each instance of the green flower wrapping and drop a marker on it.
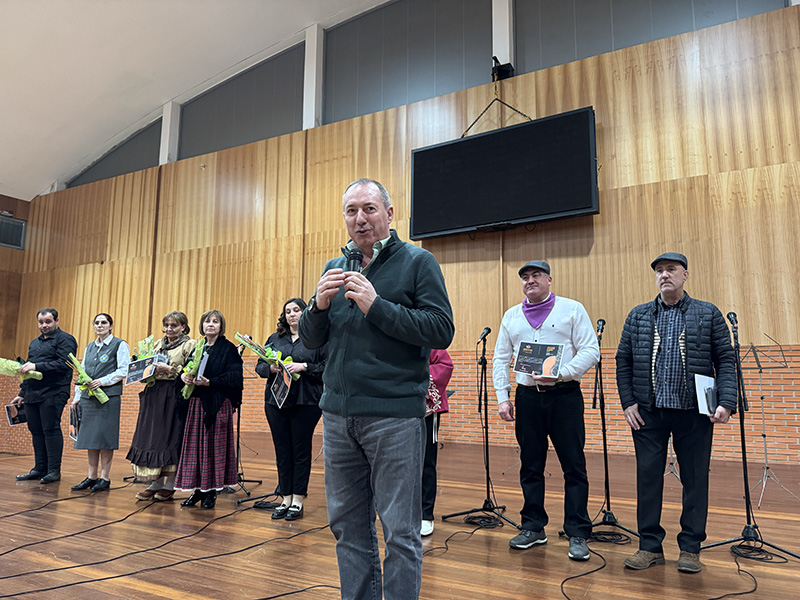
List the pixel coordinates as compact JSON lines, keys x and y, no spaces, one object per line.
{"x":144,"y":348}
{"x":83,"y":380}
{"x":10,"y":368}
{"x":267,"y":354}
{"x":192,"y":367}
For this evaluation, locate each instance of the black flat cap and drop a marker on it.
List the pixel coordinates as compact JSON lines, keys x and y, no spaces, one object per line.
{"x":535,"y":264}
{"x":676,"y":256}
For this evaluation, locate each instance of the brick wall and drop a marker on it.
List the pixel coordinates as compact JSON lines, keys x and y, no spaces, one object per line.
{"x":780,"y":388}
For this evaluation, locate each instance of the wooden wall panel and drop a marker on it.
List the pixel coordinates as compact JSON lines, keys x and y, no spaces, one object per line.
{"x":131,"y":217}
{"x":55,"y":289}
{"x":186,"y":204}
{"x":11,"y":275}
{"x":246,"y":258}
{"x":698,"y":146}
{"x":757,"y":249}
{"x":90,"y":251}
{"x":471,"y":269}
{"x":69,"y":227}
{"x":749,"y":105}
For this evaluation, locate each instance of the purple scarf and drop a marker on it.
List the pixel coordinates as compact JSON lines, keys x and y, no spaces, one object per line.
{"x":537,"y":313}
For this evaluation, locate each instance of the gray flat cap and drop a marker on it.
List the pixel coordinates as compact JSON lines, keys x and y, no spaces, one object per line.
{"x":535,"y":264}
{"x":676,"y":256}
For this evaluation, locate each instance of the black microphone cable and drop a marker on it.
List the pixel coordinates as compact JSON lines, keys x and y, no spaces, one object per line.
{"x":167,"y":566}
{"x":127,"y":554}
{"x":69,"y":535}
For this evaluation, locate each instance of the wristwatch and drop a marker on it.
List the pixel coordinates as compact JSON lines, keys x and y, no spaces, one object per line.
{"x":312,"y":305}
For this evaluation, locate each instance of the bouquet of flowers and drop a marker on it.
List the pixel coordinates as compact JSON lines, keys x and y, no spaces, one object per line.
{"x":84,"y":380}
{"x":267,"y":354}
{"x":10,"y":368}
{"x":144,"y":348}
{"x":192,"y":367}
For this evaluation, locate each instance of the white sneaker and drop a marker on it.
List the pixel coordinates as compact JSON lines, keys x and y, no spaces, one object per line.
{"x":427,"y":528}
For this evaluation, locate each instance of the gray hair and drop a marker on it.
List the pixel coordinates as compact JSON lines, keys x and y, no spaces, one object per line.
{"x":387,"y":202}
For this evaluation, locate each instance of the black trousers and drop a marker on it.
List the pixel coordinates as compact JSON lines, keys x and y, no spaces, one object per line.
{"x":429,"y":467}
{"x":292,"y":429}
{"x":44,"y":423}
{"x":557,"y":414}
{"x":692,"y":435}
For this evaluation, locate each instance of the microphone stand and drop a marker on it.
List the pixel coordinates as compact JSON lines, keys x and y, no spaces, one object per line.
{"x":240,"y":480}
{"x":750,"y":533}
{"x":599,"y":396}
{"x":488,"y":505}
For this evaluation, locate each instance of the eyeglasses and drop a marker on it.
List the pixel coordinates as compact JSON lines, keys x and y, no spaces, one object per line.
{"x":171,"y":325}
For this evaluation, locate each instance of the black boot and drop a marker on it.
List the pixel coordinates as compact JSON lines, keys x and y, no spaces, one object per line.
{"x":51,"y":477}
{"x":196,"y":496}
{"x":210,"y":500}
{"x":34,"y":473}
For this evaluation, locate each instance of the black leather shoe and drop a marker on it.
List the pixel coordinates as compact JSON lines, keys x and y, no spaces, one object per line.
{"x":51,"y":477}
{"x":210,"y":500}
{"x":295,"y":512}
{"x":280,"y":512}
{"x":101,"y":485}
{"x":32,"y":474}
{"x":194,"y":498}
{"x":84,"y":485}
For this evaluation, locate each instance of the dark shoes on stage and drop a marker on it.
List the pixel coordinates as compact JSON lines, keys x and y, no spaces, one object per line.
{"x":43,"y":477}
{"x":30,"y":475}
{"x":93,"y":485}
{"x":643,"y":559}
{"x":688,"y":562}
{"x":102,"y":485}
{"x":209,"y":499}
{"x":290,"y":513}
{"x":195,"y":497}
{"x":161,"y":495}
{"x":51,"y":476}
{"x":578,"y":549}
{"x":527,"y":538}
{"x":84,"y":485}
{"x":294,"y":512}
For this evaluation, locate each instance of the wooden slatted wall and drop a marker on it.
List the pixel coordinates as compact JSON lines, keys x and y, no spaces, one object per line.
{"x":698,"y":148}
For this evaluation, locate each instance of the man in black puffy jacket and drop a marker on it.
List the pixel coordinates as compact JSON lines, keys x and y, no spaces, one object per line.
{"x":664,"y":344}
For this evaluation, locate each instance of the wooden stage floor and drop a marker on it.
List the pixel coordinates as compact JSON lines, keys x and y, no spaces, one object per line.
{"x":161,"y":550}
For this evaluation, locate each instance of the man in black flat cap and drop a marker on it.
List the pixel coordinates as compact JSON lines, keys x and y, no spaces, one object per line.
{"x":547,"y":405}
{"x":664,"y":344}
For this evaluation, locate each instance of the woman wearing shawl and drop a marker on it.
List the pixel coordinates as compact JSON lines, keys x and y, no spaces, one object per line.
{"x":156,"y":443}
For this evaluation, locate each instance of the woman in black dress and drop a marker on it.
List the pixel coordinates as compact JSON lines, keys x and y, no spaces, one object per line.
{"x":156,"y":443}
{"x":208,"y":455}
{"x":292,"y":425}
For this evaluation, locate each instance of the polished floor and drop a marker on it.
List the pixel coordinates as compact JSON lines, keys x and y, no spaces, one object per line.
{"x":58,"y":544}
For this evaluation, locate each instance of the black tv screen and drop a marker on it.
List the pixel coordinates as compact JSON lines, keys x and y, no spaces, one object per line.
{"x":542,"y":169}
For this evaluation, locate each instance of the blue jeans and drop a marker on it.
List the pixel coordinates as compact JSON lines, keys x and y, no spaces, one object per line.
{"x":375,"y":464}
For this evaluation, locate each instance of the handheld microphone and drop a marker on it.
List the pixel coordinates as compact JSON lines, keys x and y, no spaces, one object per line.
{"x":732,"y":318}
{"x":486,"y":332}
{"x":601,"y":323}
{"x":354,"y":259}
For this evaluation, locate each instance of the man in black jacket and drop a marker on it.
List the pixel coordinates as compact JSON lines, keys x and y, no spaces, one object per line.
{"x":45,"y":398}
{"x":664,"y":344}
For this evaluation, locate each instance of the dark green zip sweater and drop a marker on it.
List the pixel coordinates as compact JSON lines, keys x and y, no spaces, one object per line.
{"x":378,"y":362}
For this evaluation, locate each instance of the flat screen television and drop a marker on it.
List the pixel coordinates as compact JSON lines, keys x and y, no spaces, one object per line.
{"x":542,"y":169}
